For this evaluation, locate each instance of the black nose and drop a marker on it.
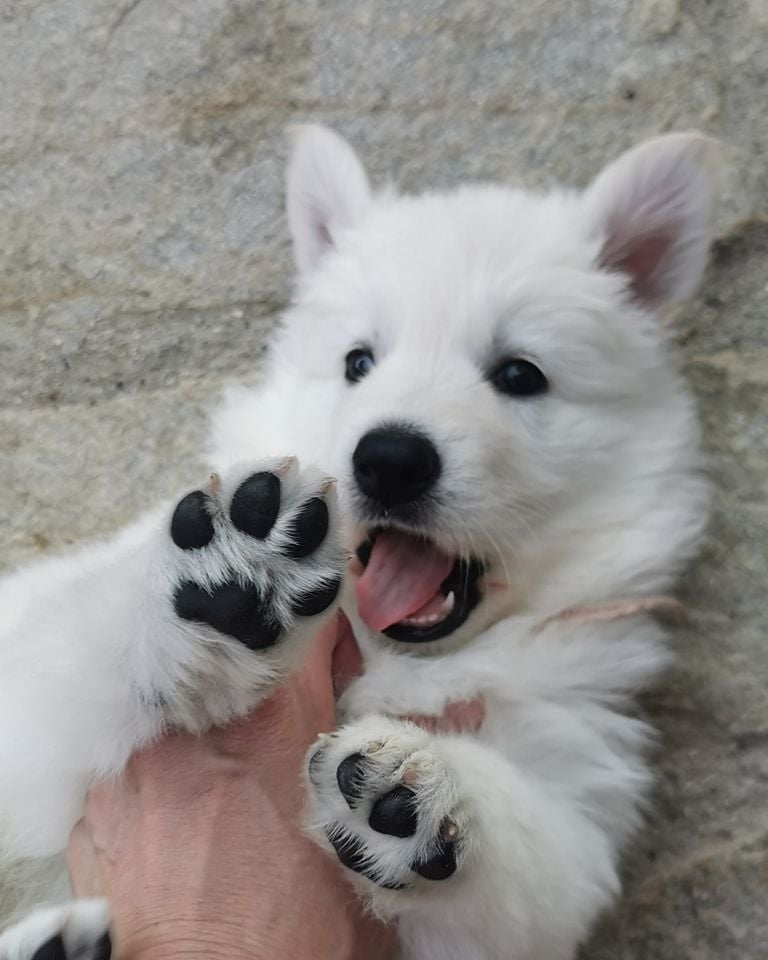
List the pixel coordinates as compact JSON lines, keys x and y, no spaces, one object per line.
{"x":395,"y":465}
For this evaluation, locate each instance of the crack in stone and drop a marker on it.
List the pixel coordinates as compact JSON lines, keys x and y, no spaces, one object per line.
{"x":120,"y":19}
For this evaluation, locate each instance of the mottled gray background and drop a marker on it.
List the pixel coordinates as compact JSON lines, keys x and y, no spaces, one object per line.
{"x":144,"y":257}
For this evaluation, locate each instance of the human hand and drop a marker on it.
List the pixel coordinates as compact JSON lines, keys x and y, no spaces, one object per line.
{"x":199,"y":845}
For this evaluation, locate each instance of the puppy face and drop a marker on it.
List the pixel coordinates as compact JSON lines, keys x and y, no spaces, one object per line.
{"x":486,"y":374}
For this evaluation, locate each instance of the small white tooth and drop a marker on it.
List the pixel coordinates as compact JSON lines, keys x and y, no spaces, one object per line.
{"x":445,"y":608}
{"x":420,"y":621}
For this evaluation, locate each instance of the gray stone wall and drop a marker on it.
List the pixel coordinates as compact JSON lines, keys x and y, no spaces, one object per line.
{"x":144,"y":258}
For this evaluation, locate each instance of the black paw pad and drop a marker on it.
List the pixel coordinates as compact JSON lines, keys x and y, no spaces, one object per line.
{"x":237,"y":611}
{"x":191,"y":524}
{"x":351,"y":853}
{"x":308,"y":529}
{"x":52,"y":950}
{"x":349,"y":849}
{"x":256,"y":504}
{"x":349,"y":776}
{"x":103,"y":948}
{"x":395,"y":813}
{"x":317,"y":600}
{"x":440,"y":865}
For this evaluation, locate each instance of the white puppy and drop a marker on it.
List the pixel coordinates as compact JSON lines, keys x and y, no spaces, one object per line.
{"x":485,"y":373}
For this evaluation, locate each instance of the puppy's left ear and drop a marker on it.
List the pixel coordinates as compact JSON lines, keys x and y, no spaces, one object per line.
{"x":651,"y":211}
{"x":328,"y":192}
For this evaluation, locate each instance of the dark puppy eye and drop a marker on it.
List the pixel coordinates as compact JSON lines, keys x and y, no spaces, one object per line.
{"x":519,"y":378}
{"x":358,"y":364}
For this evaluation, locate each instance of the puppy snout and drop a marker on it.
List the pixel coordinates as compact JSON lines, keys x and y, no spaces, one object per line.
{"x":395,"y":465}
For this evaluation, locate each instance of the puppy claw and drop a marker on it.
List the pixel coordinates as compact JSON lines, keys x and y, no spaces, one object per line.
{"x":449,"y":830}
{"x":213,"y":485}
{"x":410,"y":776}
{"x":285,"y":465}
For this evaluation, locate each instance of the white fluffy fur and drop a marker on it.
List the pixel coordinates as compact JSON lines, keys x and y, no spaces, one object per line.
{"x":589,"y":493}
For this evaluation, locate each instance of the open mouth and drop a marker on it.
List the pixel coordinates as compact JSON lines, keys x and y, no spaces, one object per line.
{"x":412,"y":591}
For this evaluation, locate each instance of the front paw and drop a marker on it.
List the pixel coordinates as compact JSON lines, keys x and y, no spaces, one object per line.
{"x":388,"y":805}
{"x":257,"y":553}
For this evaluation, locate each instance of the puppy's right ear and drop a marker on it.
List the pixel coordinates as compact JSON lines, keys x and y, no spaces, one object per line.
{"x":651,"y":210}
{"x":328,"y":191}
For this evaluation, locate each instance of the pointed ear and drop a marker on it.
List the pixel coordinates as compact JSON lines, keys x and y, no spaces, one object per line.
{"x":328,"y":191}
{"x":651,"y":210}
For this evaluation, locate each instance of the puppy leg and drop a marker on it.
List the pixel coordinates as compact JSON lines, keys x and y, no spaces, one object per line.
{"x":187,"y":618}
{"x":473,"y":857}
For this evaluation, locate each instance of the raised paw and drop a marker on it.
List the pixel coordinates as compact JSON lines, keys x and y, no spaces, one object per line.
{"x":256,"y":552}
{"x":385,"y":800}
{"x":76,"y":931}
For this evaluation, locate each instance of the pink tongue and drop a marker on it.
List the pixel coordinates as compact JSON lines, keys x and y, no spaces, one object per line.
{"x":403,"y":575}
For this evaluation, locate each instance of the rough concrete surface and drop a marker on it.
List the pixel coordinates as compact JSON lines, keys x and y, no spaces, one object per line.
{"x":144,"y":259}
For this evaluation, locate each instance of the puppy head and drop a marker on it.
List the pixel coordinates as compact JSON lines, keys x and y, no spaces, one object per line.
{"x":490,"y":382}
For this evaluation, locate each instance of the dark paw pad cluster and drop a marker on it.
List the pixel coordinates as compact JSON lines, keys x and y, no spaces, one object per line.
{"x":254,"y":509}
{"x":238,"y":609}
{"x":393,"y":814}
